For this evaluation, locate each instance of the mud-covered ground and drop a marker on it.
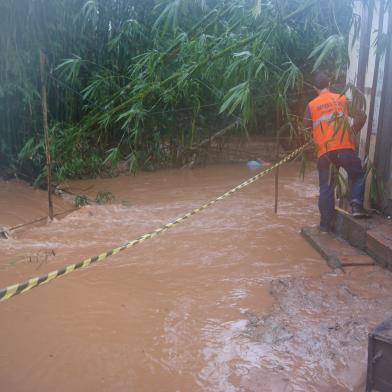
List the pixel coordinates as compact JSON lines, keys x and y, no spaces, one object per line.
{"x":232,"y":299}
{"x":317,"y":331}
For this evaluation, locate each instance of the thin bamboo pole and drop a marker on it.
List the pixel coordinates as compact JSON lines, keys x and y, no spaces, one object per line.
{"x":277,"y":159}
{"x":44,"y":99}
{"x":277,"y":184}
{"x":276,"y":190}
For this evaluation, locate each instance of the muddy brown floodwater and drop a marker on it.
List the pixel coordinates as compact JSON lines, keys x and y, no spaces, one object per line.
{"x":231,"y":300}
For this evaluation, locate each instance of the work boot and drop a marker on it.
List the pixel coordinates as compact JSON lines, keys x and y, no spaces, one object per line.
{"x":358,"y":211}
{"x":323,"y":229}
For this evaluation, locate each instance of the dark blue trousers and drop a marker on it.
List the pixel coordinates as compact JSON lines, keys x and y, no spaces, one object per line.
{"x":350,"y":162}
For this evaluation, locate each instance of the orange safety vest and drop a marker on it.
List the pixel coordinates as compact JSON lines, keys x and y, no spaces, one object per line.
{"x":328,"y":111}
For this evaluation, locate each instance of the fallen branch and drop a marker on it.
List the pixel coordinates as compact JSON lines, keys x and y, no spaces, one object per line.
{"x":220,"y":133}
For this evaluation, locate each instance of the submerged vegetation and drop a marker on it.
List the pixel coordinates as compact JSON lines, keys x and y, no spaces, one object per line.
{"x":143,"y":81}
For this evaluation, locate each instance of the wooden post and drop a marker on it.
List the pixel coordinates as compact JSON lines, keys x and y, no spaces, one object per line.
{"x":44,"y":100}
{"x":277,"y":159}
{"x":277,"y":180}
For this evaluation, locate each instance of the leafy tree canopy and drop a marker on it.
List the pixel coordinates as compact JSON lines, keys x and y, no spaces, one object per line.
{"x":147,"y":79}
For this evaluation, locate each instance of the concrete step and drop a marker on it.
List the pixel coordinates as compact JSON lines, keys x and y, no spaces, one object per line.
{"x":379,"y":244}
{"x":337,"y":252}
{"x":372,"y":236}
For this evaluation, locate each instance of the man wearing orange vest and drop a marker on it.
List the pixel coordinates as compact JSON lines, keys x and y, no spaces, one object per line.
{"x":328,"y":117}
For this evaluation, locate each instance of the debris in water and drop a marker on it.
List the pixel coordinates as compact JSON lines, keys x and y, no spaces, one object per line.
{"x":4,"y":234}
{"x":254,"y":165}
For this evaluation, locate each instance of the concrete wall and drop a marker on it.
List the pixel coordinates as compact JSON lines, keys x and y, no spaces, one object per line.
{"x":372,"y":79}
{"x":354,"y":54}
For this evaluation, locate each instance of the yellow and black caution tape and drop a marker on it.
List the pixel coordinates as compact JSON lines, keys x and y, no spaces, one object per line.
{"x":19,"y":288}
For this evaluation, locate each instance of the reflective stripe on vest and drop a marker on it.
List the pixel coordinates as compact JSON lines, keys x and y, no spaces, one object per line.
{"x":327,"y":117}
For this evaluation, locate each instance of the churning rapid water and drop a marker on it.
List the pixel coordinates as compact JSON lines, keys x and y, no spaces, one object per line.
{"x":232,"y":299}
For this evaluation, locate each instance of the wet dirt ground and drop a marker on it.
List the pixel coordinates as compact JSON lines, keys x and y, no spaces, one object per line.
{"x":233,"y":299}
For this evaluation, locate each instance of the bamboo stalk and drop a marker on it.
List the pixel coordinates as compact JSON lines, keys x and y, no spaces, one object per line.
{"x":278,"y":121}
{"x":276,"y":190}
{"x":218,"y":134}
{"x":211,"y":58}
{"x":44,"y":99}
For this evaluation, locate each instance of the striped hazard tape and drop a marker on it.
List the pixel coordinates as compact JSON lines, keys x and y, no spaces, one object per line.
{"x":19,"y":288}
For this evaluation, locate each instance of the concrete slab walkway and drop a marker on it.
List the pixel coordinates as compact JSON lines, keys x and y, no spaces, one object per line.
{"x":337,"y":252}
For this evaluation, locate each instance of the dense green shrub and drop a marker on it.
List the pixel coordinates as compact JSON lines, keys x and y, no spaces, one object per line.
{"x":145,"y":80}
